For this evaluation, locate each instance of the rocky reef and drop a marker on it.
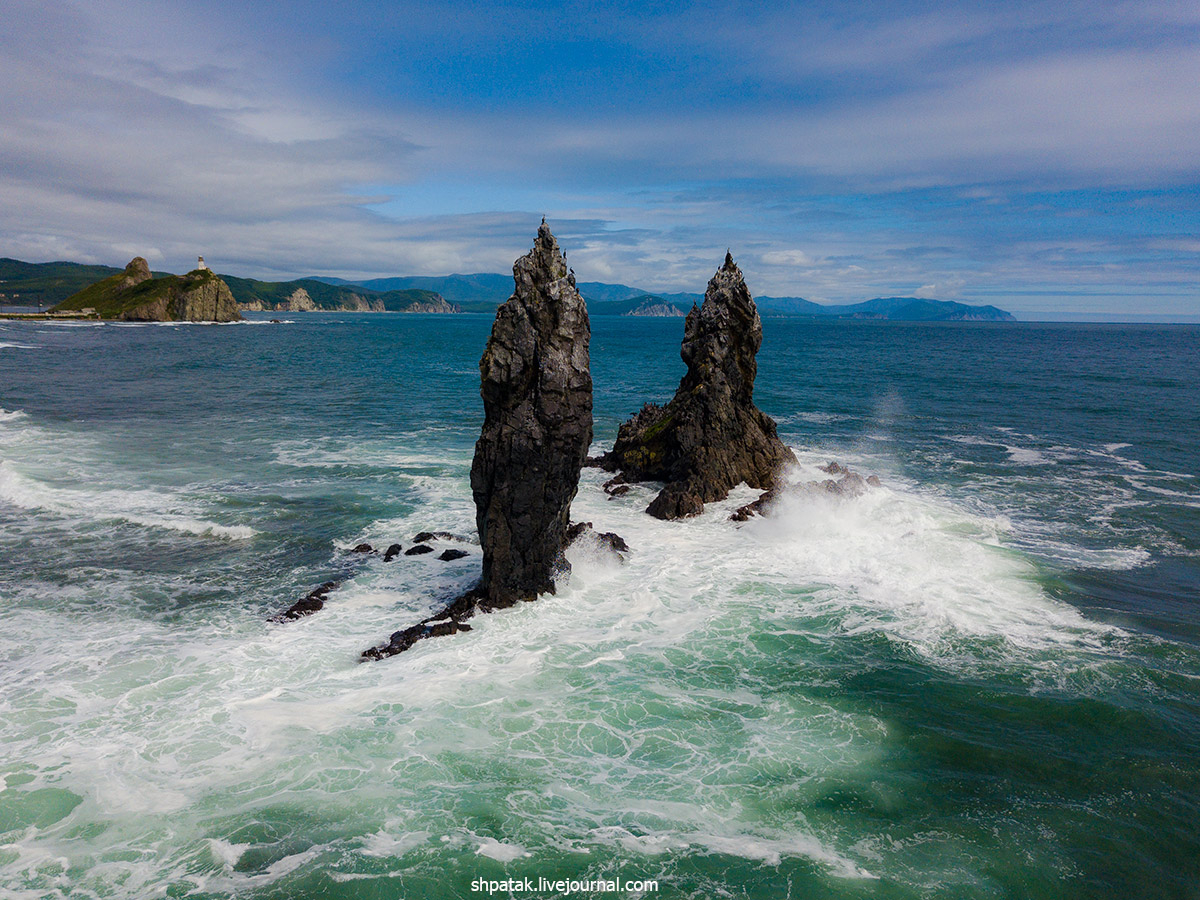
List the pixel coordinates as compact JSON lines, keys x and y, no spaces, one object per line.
{"x":134,"y":295}
{"x":537,"y":397}
{"x":711,"y":436}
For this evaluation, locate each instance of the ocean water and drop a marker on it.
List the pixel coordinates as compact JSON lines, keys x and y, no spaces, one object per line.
{"x":980,"y":680}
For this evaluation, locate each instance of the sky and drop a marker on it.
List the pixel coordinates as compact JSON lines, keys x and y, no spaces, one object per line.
{"x":1042,"y":157}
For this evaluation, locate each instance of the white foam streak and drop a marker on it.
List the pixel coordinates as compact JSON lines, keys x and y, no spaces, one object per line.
{"x":139,"y":507}
{"x":916,"y":569}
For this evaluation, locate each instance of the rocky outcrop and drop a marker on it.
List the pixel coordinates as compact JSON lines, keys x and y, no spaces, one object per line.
{"x":710,"y":437}
{"x":537,"y":400}
{"x":312,"y":602}
{"x":607,"y":540}
{"x":134,"y":295}
{"x":199,"y":296}
{"x":135,"y":273}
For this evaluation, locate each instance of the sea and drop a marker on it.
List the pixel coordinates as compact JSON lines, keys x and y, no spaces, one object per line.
{"x":980,"y":679}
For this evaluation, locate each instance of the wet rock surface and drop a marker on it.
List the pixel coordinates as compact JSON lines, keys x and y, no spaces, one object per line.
{"x":425,"y":536}
{"x":711,"y":436}
{"x":608,"y":540}
{"x":312,"y":602}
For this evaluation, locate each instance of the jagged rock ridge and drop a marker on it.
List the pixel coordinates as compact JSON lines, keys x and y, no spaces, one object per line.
{"x":711,"y":436}
{"x":537,"y":396}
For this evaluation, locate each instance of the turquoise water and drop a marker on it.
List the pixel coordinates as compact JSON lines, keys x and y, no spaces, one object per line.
{"x":981,"y":680}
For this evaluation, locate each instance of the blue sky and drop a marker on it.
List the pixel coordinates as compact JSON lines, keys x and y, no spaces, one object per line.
{"x":1044,"y":157}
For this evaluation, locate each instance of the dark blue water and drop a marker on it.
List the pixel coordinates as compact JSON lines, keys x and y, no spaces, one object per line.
{"x":979,"y":680}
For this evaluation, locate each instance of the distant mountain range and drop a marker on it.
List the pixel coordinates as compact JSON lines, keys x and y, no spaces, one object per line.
{"x":483,"y":292}
{"x":23,"y":283}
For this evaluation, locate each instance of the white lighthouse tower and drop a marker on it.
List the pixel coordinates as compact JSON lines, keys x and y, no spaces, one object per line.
{"x":200,"y":264}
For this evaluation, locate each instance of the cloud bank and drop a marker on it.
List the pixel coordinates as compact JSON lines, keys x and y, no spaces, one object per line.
{"x":1043,"y":156}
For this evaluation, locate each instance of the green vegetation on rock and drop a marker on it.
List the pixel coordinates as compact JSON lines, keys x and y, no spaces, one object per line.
{"x":306,"y":294}
{"x":133,"y":294}
{"x":30,"y":284}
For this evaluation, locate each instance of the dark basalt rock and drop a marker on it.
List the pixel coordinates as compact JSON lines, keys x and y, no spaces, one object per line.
{"x":392,"y":552}
{"x":607,"y":539}
{"x":418,"y":550}
{"x":711,"y":436}
{"x":615,"y":487}
{"x":435,"y":535}
{"x":451,"y":555}
{"x":307,"y":605}
{"x":450,"y":620}
{"x":758,"y":507}
{"x":537,"y":402}
{"x":402,"y":640}
{"x":363,"y":548}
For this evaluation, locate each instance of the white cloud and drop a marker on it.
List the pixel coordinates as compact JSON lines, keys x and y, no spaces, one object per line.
{"x":173,"y":138}
{"x":787,"y":258}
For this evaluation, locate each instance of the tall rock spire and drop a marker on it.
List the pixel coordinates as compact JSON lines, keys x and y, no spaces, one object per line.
{"x":537,"y":403}
{"x":537,"y":400}
{"x":711,"y":436}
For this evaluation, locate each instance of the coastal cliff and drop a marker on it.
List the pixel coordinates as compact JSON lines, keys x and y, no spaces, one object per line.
{"x":134,"y":295}
{"x":312,"y":295}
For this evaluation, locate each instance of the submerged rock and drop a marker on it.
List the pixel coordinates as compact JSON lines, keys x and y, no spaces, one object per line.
{"x":537,"y":400}
{"x":711,"y":436}
{"x":308,"y":604}
{"x":392,"y":552}
{"x":424,"y":536}
{"x":451,"y":555}
{"x":608,"y":540}
{"x":448,"y":621}
{"x":418,"y":550}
